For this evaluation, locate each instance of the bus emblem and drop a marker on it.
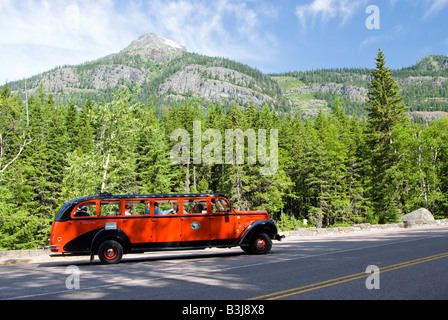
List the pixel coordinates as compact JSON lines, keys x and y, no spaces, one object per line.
{"x":195,"y":225}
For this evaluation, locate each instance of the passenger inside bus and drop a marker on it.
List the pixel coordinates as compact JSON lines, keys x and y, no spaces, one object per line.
{"x":198,"y":207}
{"x":81,"y":212}
{"x":86,"y":210}
{"x":195,"y":206}
{"x":159,"y":212}
{"x":127,"y":210}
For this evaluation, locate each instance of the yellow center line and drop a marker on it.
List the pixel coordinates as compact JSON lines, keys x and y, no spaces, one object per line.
{"x":332,"y":282}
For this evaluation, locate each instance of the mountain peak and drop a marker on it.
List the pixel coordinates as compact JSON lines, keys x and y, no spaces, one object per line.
{"x":432,"y":63}
{"x":153,"y":47}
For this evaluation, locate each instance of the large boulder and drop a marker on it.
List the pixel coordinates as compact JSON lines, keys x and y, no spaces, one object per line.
{"x":421,"y":215}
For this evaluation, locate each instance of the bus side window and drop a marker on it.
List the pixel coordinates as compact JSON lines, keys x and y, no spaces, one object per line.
{"x":110,"y":208}
{"x":195,"y":206}
{"x":224,"y":205}
{"x":162,"y":207}
{"x":220,"y":205}
{"x":85,"y":210}
{"x":136,"y":207}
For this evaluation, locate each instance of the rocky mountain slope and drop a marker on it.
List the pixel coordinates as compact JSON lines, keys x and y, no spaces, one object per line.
{"x":424,"y":87}
{"x":162,"y":69}
{"x":167,"y":72}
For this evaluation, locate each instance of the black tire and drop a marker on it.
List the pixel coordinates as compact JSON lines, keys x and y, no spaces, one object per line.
{"x":246,"y":249}
{"x":110,"y":252}
{"x":259,"y":244}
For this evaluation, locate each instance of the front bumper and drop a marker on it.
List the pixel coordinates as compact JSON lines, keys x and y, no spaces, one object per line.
{"x":278,"y":237}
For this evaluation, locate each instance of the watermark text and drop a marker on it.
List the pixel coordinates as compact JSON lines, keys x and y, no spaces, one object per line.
{"x":235,"y":147}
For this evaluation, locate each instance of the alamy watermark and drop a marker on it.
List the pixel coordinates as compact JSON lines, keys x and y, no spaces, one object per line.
{"x":73,"y":280}
{"x":234,"y":152}
{"x":373,"y":281}
{"x":373,"y":20}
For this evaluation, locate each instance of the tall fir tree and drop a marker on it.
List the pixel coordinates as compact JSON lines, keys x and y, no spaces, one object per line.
{"x":385,"y":110}
{"x":155,"y":172}
{"x":386,"y":107}
{"x":84,"y":140}
{"x":41,"y":168}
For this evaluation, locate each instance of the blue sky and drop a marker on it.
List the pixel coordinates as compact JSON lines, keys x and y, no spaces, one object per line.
{"x":273,"y":36}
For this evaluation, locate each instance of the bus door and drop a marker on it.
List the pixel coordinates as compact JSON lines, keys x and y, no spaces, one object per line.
{"x":223,"y":223}
{"x":195,"y":223}
{"x":166,"y":222}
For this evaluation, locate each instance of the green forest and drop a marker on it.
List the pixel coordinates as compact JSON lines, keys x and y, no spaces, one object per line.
{"x":423,"y":85}
{"x":333,"y":169}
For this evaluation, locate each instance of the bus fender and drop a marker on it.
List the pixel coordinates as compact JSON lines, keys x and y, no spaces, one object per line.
{"x":260,"y":226}
{"x":108,"y":234}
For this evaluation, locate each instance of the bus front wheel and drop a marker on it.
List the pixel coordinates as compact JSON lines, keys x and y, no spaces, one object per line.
{"x":259,"y":244}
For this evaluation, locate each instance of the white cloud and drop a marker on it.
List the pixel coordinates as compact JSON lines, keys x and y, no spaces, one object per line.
{"x":325,"y":10}
{"x":216,"y":28}
{"x":36,"y":35}
{"x":390,"y":35}
{"x":61,"y":24}
{"x":435,"y":7}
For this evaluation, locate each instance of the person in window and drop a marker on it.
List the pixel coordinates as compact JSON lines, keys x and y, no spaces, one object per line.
{"x":127,"y":210}
{"x":82,"y":212}
{"x":198,"y":207}
{"x":156,"y":209}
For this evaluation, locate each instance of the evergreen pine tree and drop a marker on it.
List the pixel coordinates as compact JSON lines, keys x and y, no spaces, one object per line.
{"x":71,"y":123}
{"x":386,"y":108}
{"x":155,"y":172}
{"x":84,"y":140}
{"x":41,"y":169}
{"x":385,"y":111}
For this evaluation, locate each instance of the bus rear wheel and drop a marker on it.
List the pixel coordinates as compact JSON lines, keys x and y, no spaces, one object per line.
{"x":110,"y":252}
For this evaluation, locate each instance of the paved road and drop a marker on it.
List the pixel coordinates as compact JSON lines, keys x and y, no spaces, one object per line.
{"x":412,"y":264}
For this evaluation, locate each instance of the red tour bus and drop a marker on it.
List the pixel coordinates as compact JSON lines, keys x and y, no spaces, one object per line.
{"x":112,"y":225}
